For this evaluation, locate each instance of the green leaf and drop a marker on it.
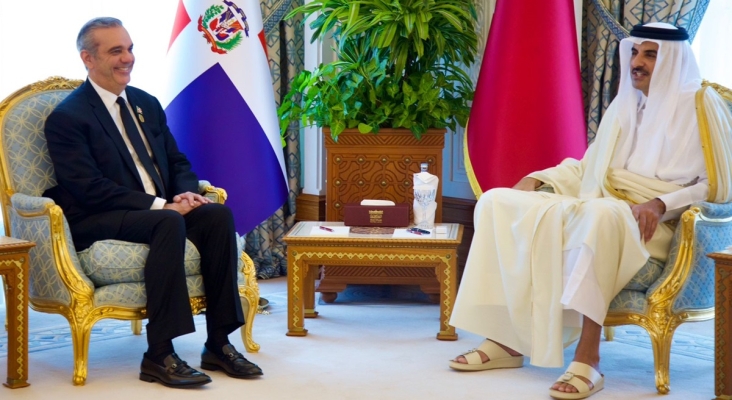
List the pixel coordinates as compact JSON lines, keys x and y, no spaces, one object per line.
{"x":387,"y":36}
{"x":409,"y":20}
{"x":363,"y":128}
{"x":355,"y":6}
{"x":313,"y":92}
{"x":337,"y":128}
{"x":400,"y":63}
{"x":452,"y":19}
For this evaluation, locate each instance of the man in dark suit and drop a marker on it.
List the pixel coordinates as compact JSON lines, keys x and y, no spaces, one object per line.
{"x":121,"y":177}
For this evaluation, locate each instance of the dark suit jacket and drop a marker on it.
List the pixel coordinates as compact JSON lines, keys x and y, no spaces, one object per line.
{"x":96,"y":175}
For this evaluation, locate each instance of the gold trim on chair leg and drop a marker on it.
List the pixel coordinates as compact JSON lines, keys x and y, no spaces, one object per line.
{"x":136,"y":326}
{"x":660,"y":329}
{"x":609,"y":333}
{"x":198,"y":304}
{"x":80,"y":337}
{"x":250,"y":294}
{"x":661,"y":343}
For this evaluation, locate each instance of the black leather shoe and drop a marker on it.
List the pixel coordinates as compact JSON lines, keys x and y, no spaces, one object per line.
{"x":231,"y":361}
{"x":176,"y":373}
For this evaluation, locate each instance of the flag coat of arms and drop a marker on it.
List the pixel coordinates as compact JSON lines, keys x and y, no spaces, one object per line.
{"x":220,"y":105}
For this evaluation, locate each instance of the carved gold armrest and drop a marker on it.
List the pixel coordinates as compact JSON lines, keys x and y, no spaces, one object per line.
{"x":29,"y":207}
{"x":664,"y":292}
{"x":217,"y":195}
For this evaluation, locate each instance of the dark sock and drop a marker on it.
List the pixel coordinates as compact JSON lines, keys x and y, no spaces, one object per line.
{"x":156,"y":352}
{"x":216,"y":340}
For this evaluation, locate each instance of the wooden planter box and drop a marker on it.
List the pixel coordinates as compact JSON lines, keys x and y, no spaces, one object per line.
{"x":382,"y":166}
{"x":379,"y":166}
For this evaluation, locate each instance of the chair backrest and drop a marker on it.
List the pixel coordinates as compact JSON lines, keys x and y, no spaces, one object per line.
{"x":725,"y":92}
{"x":698,"y":290}
{"x":25,"y":166}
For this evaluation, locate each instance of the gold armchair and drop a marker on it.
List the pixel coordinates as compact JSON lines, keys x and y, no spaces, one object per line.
{"x":662,"y":296}
{"x":58,"y":281}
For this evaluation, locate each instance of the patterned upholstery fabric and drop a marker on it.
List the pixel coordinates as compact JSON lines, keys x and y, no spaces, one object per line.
{"x":115,"y":261}
{"x":31,"y":170}
{"x":240,"y":245}
{"x":710,"y":237}
{"x":715,"y":211}
{"x":629,"y":301}
{"x":646,"y":276}
{"x":45,"y":283}
{"x":133,"y":294}
{"x":673,"y":254}
{"x":698,"y":291}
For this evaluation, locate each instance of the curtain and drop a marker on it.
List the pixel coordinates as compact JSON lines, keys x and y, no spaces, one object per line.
{"x":605,"y":23}
{"x":285,"y":52}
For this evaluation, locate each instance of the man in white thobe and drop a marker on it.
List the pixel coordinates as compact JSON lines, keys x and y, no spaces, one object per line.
{"x":543,"y":265}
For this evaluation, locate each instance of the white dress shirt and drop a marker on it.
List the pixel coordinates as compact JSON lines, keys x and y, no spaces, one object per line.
{"x":110,"y":102}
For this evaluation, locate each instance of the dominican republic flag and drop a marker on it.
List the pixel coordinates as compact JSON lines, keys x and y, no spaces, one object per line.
{"x":220,"y":105}
{"x":528,"y":112}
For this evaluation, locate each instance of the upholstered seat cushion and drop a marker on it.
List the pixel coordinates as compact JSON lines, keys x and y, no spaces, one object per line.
{"x":115,"y":261}
{"x":629,"y":301}
{"x":647,"y":276}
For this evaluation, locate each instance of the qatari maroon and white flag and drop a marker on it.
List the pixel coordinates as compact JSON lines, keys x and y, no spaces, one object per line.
{"x":220,"y":105}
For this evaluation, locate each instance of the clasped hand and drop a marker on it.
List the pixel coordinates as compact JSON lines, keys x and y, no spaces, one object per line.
{"x":185,"y":202}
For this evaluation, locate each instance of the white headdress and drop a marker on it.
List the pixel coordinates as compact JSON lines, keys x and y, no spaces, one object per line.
{"x":669,"y":115}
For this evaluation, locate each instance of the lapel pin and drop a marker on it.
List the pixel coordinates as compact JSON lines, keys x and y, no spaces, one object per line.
{"x":139,"y":114}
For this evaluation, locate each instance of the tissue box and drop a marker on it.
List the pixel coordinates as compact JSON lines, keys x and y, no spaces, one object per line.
{"x":354,"y":214}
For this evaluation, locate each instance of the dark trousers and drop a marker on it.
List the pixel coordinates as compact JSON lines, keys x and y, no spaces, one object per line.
{"x":210,"y":228}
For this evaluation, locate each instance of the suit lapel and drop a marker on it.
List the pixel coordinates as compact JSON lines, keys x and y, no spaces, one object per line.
{"x":157,"y":150}
{"x":110,"y":128}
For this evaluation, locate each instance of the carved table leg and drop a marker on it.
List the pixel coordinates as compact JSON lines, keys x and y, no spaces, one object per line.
{"x":17,"y":313}
{"x":296,"y":277}
{"x":309,"y":292}
{"x":446,"y":273}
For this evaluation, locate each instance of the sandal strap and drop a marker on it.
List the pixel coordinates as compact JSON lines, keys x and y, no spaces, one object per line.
{"x":577,"y":369}
{"x":572,"y":379}
{"x":490,"y":348}
{"x":493,"y":350}
{"x":472,"y":357}
{"x":584,"y":370}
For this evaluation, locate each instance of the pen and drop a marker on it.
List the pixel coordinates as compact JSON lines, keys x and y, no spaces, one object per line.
{"x":421,"y":231}
{"x":414,"y":232}
{"x":325,"y":228}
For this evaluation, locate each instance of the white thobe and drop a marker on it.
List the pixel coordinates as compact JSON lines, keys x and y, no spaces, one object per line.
{"x":537,"y":258}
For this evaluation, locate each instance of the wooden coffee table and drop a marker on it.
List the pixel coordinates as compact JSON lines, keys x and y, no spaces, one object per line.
{"x":306,"y":253}
{"x":14,"y":267}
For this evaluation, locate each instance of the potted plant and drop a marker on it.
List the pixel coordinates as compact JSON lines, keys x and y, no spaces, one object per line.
{"x":399,"y":65}
{"x":399,"y":73}
{"x":399,"y":70}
